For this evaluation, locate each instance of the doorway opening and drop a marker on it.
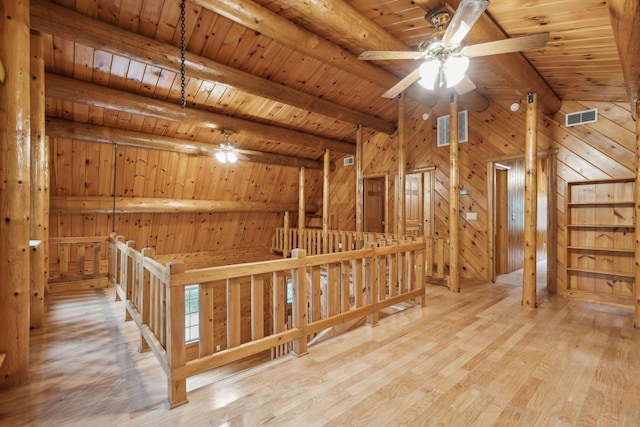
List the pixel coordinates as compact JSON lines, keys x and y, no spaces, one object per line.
{"x":507,"y":226}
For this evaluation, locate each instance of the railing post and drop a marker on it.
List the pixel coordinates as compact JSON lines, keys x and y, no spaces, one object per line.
{"x":176,"y":347}
{"x":419,"y":276}
{"x":118,"y":267}
{"x":128,"y":288}
{"x":371,"y":287}
{"x":145,"y":295}
{"x":287,"y":241}
{"x":299,"y":304}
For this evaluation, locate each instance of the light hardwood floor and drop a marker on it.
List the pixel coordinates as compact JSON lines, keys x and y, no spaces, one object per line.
{"x":475,"y":358}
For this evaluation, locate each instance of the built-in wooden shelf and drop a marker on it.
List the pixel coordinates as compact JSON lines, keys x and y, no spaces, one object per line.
{"x":599,"y":234}
{"x":605,"y":272}
{"x":601,"y":249}
{"x":601,"y":226}
{"x":604,"y":203}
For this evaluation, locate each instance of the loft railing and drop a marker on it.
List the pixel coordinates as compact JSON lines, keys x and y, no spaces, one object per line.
{"x":327,"y":290}
{"x":77,"y":259}
{"x":316,"y":242}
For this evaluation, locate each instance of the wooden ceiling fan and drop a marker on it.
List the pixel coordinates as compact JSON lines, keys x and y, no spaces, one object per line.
{"x":445,"y":60}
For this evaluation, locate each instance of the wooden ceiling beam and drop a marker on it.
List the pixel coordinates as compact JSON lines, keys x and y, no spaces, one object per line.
{"x":101,"y":204}
{"x":58,"y":128}
{"x":513,"y":67}
{"x":625,"y":21}
{"x":360,"y":30}
{"x":114,"y":99}
{"x":258,"y":18}
{"x":47,"y":17}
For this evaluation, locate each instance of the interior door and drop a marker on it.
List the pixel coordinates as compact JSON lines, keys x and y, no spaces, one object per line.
{"x":374,"y":205}
{"x":414,"y":225}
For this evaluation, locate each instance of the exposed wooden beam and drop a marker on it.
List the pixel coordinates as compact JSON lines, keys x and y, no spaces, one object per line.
{"x":513,"y":67}
{"x":46,"y":17}
{"x":259,"y":18}
{"x":83,"y":204}
{"x":58,"y":128}
{"x":344,"y":19}
{"x":114,"y":99}
{"x":625,"y":20}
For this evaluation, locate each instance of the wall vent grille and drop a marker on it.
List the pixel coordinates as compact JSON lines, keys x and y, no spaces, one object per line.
{"x":443,"y":128}
{"x":581,"y":117}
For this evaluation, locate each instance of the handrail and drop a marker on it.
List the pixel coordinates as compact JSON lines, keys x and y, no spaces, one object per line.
{"x":328,"y":289}
{"x":77,"y":258}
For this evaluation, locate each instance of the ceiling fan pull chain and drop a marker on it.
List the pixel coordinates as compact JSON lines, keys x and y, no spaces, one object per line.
{"x":183,"y":101}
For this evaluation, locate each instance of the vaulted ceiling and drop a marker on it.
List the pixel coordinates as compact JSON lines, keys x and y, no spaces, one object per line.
{"x":283,"y":76}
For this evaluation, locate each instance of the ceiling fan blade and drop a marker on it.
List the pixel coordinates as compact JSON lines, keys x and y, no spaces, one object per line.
{"x":369,"y":55}
{"x":467,"y":14}
{"x":465,"y":86}
{"x":399,"y":87}
{"x":517,"y":44}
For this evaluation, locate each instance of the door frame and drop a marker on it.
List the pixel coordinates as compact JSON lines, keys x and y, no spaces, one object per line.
{"x":552,"y":215}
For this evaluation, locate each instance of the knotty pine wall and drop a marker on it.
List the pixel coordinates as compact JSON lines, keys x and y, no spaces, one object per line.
{"x":593,"y":151}
{"x":80,"y":168}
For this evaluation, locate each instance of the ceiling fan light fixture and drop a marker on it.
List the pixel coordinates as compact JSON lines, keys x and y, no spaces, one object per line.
{"x":466,"y":15}
{"x":227,"y":151}
{"x":454,"y":68}
{"x":429,"y":71}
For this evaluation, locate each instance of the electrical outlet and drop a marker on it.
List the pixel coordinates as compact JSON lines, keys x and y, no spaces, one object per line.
{"x":472,"y":216}
{"x":218,"y":347}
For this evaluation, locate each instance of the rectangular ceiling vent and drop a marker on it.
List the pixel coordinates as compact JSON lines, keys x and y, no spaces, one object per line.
{"x":348,"y":161}
{"x":581,"y":117}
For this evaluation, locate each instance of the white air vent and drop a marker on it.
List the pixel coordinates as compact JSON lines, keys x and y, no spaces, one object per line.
{"x":348,"y":161}
{"x":581,"y":117}
{"x":463,"y":128}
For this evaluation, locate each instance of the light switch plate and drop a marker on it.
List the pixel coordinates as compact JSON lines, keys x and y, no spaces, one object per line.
{"x":472,"y":215}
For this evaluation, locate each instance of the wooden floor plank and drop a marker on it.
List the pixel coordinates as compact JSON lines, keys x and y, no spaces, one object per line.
{"x":474,"y":358}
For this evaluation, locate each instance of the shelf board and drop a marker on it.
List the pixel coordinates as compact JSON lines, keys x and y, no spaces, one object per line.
{"x":591,"y":248}
{"x":601,"y":225}
{"x":609,"y":203}
{"x":602,"y":272}
{"x":610,"y":300}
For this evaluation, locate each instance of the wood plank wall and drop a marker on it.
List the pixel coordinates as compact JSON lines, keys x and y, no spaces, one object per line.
{"x":80,"y":168}
{"x":592,"y":151}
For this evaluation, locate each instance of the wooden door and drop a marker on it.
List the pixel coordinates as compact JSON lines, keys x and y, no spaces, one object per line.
{"x":374,"y":205}
{"x":413,"y":205}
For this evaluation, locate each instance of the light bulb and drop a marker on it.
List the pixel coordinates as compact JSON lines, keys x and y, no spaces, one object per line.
{"x":429,"y":71}
{"x":221,"y":157}
{"x":231,"y":157}
{"x":454,"y":69}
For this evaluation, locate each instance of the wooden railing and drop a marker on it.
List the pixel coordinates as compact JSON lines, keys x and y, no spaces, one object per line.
{"x":328,"y":290}
{"x":77,"y":259}
{"x":316,"y":242}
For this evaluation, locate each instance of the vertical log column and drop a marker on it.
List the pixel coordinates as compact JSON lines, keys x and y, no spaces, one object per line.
{"x":15,"y":180}
{"x":359,"y":188}
{"x":636,"y":286}
{"x":454,"y":196}
{"x":39,"y":183}
{"x":301,"y":209}
{"x":402,"y":160}
{"x":552,"y":226}
{"x":530,"y":204}
{"x":325,"y":199}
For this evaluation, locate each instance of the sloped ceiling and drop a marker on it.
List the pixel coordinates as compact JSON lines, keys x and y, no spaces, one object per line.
{"x":283,"y":78}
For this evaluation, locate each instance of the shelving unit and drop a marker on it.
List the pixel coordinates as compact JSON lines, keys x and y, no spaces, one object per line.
{"x":600,"y":238}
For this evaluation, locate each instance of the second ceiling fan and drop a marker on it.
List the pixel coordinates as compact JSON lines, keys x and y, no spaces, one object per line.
{"x":445,"y":59}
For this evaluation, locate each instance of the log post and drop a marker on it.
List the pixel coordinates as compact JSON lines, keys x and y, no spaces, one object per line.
{"x":145,"y":304}
{"x":299,"y":310}
{"x":402,"y":161}
{"x":15,"y":180}
{"x":530,"y":204}
{"x":454,"y":196}
{"x":325,"y":199}
{"x":286,"y":241}
{"x":39,"y":228}
{"x":176,"y":348}
{"x":552,"y":226}
{"x":301,"y":210}
{"x":636,"y":296}
{"x":359,"y":187}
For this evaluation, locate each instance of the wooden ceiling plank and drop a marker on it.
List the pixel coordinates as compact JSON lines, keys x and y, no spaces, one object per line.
{"x":87,"y":93}
{"x":57,"y":128}
{"x":47,"y":16}
{"x":625,"y":20}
